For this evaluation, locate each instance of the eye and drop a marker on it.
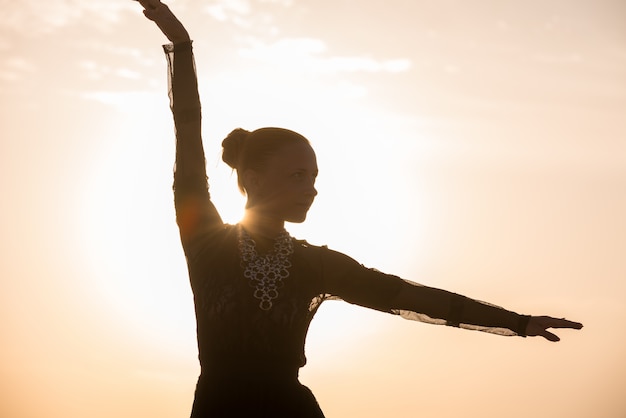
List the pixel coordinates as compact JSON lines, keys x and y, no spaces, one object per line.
{"x":303,"y":174}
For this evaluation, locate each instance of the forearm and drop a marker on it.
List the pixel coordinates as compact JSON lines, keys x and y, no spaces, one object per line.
{"x":190,"y":169}
{"x":354,"y":283}
{"x":195,"y":213}
{"x":473,"y":312}
{"x":457,"y":310}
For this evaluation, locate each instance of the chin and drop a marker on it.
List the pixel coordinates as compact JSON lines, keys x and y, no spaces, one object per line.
{"x":296,"y":219}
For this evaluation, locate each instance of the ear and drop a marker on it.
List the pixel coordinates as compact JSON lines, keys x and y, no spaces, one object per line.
{"x":251,"y":182}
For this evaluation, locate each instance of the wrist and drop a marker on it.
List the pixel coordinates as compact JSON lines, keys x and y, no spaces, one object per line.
{"x":522,"y":325}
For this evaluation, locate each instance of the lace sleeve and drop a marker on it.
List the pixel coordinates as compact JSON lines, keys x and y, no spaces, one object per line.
{"x":435,"y":306}
{"x":194,"y":211}
{"x":354,"y":283}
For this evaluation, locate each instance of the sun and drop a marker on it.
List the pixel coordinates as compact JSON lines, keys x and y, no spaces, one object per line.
{"x":129,"y":241}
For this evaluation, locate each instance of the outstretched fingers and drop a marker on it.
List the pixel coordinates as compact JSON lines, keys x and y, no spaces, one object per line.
{"x":150,"y":4}
{"x":562,"y":323}
{"x":550,"y":336}
{"x":538,"y":326}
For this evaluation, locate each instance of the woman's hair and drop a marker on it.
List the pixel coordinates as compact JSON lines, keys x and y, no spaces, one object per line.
{"x":244,"y":150}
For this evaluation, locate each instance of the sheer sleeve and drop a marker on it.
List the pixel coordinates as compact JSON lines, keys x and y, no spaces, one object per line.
{"x":347,"y":279}
{"x":195,"y":214}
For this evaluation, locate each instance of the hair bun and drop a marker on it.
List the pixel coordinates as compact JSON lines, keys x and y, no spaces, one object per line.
{"x":232,"y":147}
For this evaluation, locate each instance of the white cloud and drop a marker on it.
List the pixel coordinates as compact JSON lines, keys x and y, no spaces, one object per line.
{"x":364,"y":64}
{"x":37,"y":17}
{"x":20,"y":64}
{"x":16,"y":68}
{"x":235,"y":11}
{"x":291,"y":47}
{"x":308,"y":53}
{"x":127,"y":101}
{"x":228,"y":9}
{"x":285,"y":3}
{"x":127,"y":52}
{"x":247,"y":14}
{"x":104,"y":60}
{"x":127,"y":73}
{"x":9,"y":76}
{"x":95,"y":71}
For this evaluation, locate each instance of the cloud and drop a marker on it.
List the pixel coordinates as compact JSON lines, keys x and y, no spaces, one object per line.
{"x":127,"y":101}
{"x":96,"y":71}
{"x":106,"y":48}
{"x":229,"y":10}
{"x":308,"y":54}
{"x":16,"y":68}
{"x":285,"y":3}
{"x":37,"y":17}
{"x":364,"y":64}
{"x":257,"y":15}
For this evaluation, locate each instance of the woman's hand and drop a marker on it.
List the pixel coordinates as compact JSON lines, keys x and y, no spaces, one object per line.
{"x":538,"y":326}
{"x":160,"y":14}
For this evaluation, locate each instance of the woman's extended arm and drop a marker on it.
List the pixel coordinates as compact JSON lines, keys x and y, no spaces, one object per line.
{"x":465,"y":312}
{"x":354,"y":283}
{"x":195,"y":213}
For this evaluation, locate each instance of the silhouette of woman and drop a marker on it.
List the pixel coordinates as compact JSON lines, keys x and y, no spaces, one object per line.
{"x":256,"y":288}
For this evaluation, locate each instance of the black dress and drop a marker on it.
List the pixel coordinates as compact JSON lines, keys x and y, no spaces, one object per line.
{"x":250,"y":357}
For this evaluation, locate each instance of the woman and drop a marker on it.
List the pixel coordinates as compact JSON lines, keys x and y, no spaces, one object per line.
{"x":255,"y":288}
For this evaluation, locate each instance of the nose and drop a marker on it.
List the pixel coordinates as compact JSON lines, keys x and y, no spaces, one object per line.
{"x":311,"y":190}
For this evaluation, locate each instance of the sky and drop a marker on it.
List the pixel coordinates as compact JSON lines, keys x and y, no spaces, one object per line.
{"x":476,"y":146}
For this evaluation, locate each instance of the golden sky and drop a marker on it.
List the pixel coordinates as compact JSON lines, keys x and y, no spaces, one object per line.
{"x":474,"y":146}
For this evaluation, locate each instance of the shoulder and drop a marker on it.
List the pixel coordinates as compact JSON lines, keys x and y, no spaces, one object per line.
{"x":304,"y":244}
{"x":211,"y":242}
{"x":304,"y":247}
{"x":325,"y":257}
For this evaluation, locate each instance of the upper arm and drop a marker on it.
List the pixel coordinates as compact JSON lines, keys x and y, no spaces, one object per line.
{"x":371,"y":288}
{"x":346,"y":278}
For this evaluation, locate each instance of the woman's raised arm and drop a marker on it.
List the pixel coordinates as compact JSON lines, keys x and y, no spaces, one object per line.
{"x":195,"y":214}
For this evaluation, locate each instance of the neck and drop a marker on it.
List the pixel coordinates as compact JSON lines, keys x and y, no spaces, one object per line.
{"x":259,"y":225}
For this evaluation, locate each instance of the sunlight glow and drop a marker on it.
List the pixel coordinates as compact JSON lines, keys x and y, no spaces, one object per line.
{"x":464,"y":145}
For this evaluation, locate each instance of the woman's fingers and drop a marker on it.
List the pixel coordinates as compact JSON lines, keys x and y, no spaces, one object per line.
{"x":562,"y":323}
{"x":550,"y":336}
{"x":166,"y":21}
{"x":538,"y":326}
{"x":151,"y":7}
{"x":150,"y":4}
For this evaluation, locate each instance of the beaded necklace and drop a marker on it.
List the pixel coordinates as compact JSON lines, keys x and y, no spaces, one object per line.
{"x":265,"y":273}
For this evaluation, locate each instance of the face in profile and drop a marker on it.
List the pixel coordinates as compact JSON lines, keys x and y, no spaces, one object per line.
{"x":286,"y":188}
